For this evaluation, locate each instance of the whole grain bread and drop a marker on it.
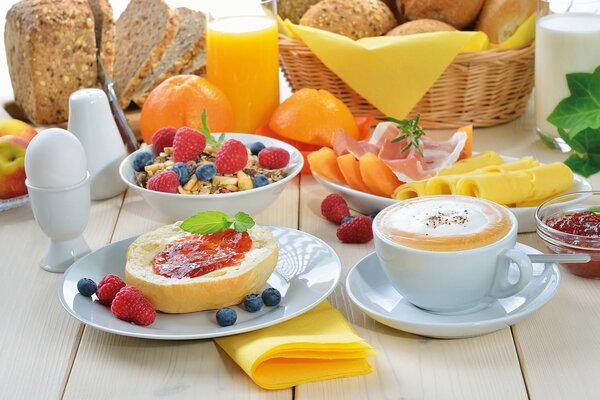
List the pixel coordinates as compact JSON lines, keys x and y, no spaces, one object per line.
{"x":144,"y":32}
{"x":189,"y":42}
{"x":197,"y":66}
{"x":51,"y":52}
{"x":104,"y":25}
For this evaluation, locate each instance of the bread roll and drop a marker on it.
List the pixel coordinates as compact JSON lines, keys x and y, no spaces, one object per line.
{"x":420,"y":26}
{"x":459,"y":14}
{"x":294,"y":9}
{"x":223,"y":287}
{"x":352,"y":18}
{"x":499,"y":19}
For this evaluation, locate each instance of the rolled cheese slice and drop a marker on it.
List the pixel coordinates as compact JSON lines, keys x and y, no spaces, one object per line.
{"x":549,"y":180}
{"x":470,"y":164}
{"x":522,"y":163}
{"x":220,"y":288}
{"x":409,"y":190}
{"x":442,"y":184}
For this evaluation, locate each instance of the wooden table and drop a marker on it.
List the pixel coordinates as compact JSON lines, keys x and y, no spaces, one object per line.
{"x":47,"y":354}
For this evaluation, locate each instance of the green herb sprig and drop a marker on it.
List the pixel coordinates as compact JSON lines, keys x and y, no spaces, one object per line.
{"x":577,"y":118}
{"x":216,"y":221}
{"x":210,"y":139}
{"x":411,"y":131}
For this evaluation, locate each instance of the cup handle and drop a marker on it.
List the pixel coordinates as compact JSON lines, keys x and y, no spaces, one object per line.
{"x":502,"y":287}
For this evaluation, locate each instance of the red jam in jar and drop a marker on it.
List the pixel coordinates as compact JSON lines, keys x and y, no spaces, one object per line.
{"x":196,"y":255}
{"x":585,"y":228}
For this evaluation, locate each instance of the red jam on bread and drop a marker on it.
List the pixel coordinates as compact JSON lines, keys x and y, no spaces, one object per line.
{"x":196,"y":255}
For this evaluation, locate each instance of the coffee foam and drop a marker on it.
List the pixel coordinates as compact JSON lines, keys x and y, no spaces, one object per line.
{"x":444,"y":223}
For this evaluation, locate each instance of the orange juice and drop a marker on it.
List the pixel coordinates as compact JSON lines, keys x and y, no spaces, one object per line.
{"x":242,"y":60}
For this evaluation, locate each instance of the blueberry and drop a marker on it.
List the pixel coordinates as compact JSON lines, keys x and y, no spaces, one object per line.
{"x":206,"y":172}
{"x":253,"y":302}
{"x":142,"y":159}
{"x":373,"y":214}
{"x":271,"y":296}
{"x":260,"y":180}
{"x":346,"y":219}
{"x":86,"y":287}
{"x":256,"y":147}
{"x":182,"y":171}
{"x":226,"y":316}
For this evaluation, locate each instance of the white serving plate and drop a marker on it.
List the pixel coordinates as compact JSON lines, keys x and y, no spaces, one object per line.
{"x":307,"y":272}
{"x":367,"y":203}
{"x":370,"y":289}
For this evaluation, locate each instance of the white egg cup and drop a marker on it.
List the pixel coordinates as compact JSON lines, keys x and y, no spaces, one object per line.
{"x":63,"y":214}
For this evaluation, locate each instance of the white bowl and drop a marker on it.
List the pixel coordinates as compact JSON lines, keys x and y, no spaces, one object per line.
{"x":177,"y":206}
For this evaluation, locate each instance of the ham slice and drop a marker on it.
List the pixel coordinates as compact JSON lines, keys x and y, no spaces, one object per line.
{"x":408,"y":166}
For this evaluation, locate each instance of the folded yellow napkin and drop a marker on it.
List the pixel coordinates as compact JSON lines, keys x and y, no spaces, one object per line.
{"x":319,"y":344}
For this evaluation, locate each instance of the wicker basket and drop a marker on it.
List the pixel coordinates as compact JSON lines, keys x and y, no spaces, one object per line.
{"x":482,"y":88}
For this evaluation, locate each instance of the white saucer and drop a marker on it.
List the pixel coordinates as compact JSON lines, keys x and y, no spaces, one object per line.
{"x":369,"y":288}
{"x":307,"y":272}
{"x":15,"y":202}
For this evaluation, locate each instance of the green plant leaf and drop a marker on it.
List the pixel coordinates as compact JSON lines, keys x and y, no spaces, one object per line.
{"x":207,"y":222}
{"x":242,"y":222}
{"x":583,"y":164}
{"x":594,"y":209}
{"x":210,"y":139}
{"x":582,"y":108}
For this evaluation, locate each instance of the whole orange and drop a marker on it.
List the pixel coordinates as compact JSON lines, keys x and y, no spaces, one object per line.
{"x":180,"y":100}
{"x":312,"y":116}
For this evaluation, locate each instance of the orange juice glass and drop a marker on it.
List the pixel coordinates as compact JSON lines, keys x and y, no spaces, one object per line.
{"x":243,"y":61}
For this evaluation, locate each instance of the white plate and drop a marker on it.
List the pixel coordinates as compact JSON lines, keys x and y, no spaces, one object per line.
{"x":307,"y":272}
{"x":366,"y":203}
{"x":369,"y":288}
{"x":15,"y":202}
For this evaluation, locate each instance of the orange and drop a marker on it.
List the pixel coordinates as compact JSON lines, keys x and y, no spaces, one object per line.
{"x":180,"y":100}
{"x":312,"y":116}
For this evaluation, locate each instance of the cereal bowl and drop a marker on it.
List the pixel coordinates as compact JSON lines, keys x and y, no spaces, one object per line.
{"x":176,"y":206}
{"x":557,"y":222}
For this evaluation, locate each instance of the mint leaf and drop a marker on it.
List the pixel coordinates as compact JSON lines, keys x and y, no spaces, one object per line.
{"x":582,"y":109}
{"x":210,"y":139}
{"x":594,"y":209}
{"x":242,"y":222}
{"x":207,"y":222}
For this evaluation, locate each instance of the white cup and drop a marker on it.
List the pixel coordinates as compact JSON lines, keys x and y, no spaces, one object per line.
{"x":91,"y":120}
{"x":452,"y":281}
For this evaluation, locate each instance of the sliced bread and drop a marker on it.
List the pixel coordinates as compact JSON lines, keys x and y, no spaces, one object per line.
{"x":144,"y":32}
{"x":197,"y":65}
{"x":104,"y":25}
{"x":189,"y":42}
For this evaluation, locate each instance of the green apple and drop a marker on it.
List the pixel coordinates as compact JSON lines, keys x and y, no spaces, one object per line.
{"x":17,"y":128}
{"x":12,"y":166}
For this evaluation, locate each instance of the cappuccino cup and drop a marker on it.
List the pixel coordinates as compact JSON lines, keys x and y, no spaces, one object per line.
{"x":450,"y":254}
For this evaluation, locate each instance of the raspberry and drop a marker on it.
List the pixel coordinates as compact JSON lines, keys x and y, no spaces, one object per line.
{"x":166,"y":181}
{"x":187,"y":144}
{"x":163,"y":138}
{"x":273,"y":158}
{"x":108,"y":287}
{"x":334,"y":208}
{"x":130,"y":305}
{"x":231,"y":157}
{"x":357,"y":230}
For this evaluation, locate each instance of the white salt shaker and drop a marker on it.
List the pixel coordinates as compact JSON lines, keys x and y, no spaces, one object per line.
{"x":92,"y":122}
{"x":59,"y":190}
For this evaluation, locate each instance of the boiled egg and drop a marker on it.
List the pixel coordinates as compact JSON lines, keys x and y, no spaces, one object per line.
{"x":55,"y":158}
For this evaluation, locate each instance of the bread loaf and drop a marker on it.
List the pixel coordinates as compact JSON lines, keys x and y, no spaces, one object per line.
{"x":223,"y":287}
{"x":352,"y":18}
{"x":189,"y":42}
{"x":499,"y":19}
{"x":420,"y":26}
{"x":104,"y":26}
{"x":144,"y":32}
{"x":51,"y":52}
{"x":459,"y":14}
{"x":294,"y":9}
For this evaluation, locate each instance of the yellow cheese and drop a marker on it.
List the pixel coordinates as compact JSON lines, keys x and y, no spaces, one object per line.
{"x":522,"y":163}
{"x":549,"y":180}
{"x":470,"y":164}
{"x":409,"y":190}
{"x":445,"y":184}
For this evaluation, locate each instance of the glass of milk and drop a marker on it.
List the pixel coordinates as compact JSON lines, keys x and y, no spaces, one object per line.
{"x":567,"y":40}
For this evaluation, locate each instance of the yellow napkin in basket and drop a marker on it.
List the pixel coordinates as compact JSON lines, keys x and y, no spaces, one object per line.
{"x":317,"y":345}
{"x":391,"y":72}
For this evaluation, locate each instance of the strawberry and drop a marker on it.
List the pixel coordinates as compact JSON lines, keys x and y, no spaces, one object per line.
{"x":357,"y":230}
{"x":334,"y":208}
{"x":163,"y":138}
{"x":187,"y":144}
{"x":108,"y":287}
{"x":273,"y":157}
{"x":166,"y":181}
{"x":231,"y":157}
{"x":130,"y":305}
